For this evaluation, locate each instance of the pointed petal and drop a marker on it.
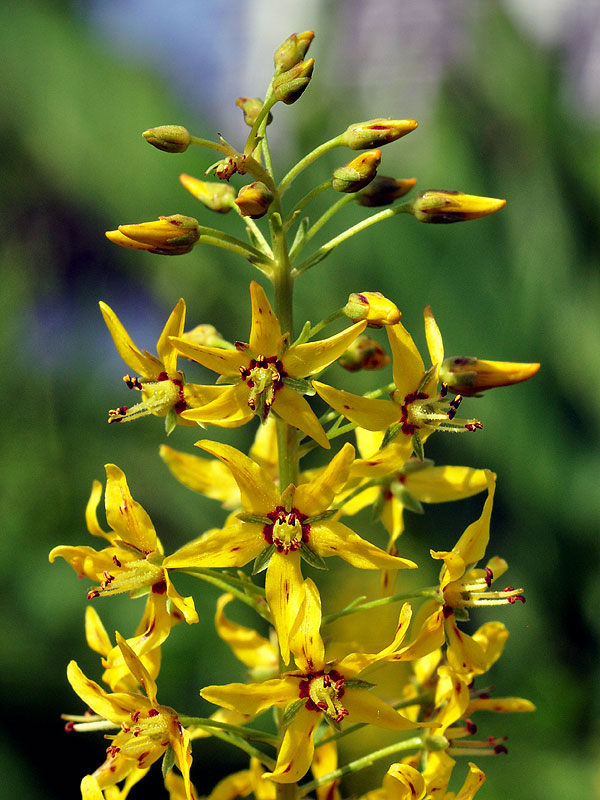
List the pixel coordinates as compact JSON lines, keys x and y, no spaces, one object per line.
{"x":265,"y":333}
{"x":174,"y":327}
{"x":472,"y":784}
{"x":229,"y":409}
{"x":85,"y":560}
{"x":443,"y":484}
{"x":225,"y":362}
{"x":435,"y":343}
{"x":334,"y":539}
{"x":356,"y":663}
{"x":374,"y":415}
{"x":248,"y":646}
{"x":297,"y":748}
{"x":408,"y":367}
{"x":252,"y":698}
{"x":284,"y":589}
{"x":307,"y":644}
{"x":124,"y":515}
{"x":364,"y":706}
{"x":403,"y":782}
{"x":310,"y":358}
{"x":114,"y":707}
{"x":325,"y":760}
{"x":206,"y":476}
{"x":95,"y":632}
{"x":142,"y":364}
{"x":137,"y":669}
{"x":453,"y":569}
{"x":360,"y":501}
{"x":464,"y":653}
{"x":236,"y":785}
{"x":491,"y":637}
{"x":294,"y":409}
{"x":507,"y":705}
{"x":91,"y":517}
{"x":438,"y":772}
{"x":430,"y":637}
{"x":185,"y":605}
{"x":264,"y":447}
{"x":233,"y":546}
{"x":317,"y":495}
{"x":391,"y":459}
{"x":392,"y":517}
{"x":368,"y":442}
{"x":472,"y":544}
{"x":259,"y":493}
{"x":90,"y":789}
{"x":179,"y":739}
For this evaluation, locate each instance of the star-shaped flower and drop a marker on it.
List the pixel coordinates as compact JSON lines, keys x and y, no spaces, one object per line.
{"x":278,"y":529}
{"x":266,"y":373}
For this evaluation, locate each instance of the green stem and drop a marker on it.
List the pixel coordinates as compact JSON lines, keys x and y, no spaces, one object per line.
{"x":242,"y":744}
{"x":258,"y":123}
{"x":308,"y":159}
{"x":258,"y":234}
{"x":323,"y":219}
{"x":305,"y":201}
{"x":250,"y":734}
{"x":259,"y":261}
{"x":337,"y":240}
{"x":256,"y":605}
{"x":220,"y":148}
{"x":361,"y":763}
{"x":429,"y":592}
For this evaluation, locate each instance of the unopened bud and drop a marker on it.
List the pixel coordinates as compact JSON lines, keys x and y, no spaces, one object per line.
{"x":373,"y":307}
{"x":170,"y":138}
{"x":168,"y":236}
{"x":288,"y":86}
{"x":442,"y":206}
{"x":383,"y":190}
{"x":254,"y":200}
{"x":292,"y":50}
{"x":218,"y":197}
{"x":207,"y":336}
{"x":357,"y":173}
{"x":469,"y":376}
{"x":252,"y":106}
{"x":364,"y":353}
{"x":376,"y":132}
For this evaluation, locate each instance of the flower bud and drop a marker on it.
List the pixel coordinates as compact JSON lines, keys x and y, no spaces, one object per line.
{"x":170,"y":138}
{"x":373,"y":307}
{"x":251,"y":106}
{"x":376,"y":132}
{"x":357,"y":173}
{"x":205,"y":335}
{"x":469,"y":376}
{"x":218,"y":197}
{"x":168,"y":236}
{"x":442,"y":206}
{"x":254,"y":200}
{"x":292,"y":50}
{"x":364,"y":353}
{"x":383,"y":190}
{"x":288,"y":86}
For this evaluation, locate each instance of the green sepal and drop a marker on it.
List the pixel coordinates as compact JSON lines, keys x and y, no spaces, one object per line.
{"x":414,"y":465}
{"x":312,"y":558}
{"x":418,"y":446}
{"x":141,"y":592}
{"x":461,"y":614}
{"x":304,"y":334}
{"x":390,"y":434}
{"x":299,"y":385}
{"x":170,"y":421}
{"x":227,"y":379}
{"x":300,"y":235}
{"x":356,"y":683}
{"x":324,"y":515}
{"x":123,"y":545}
{"x":426,"y":378}
{"x":377,"y":508}
{"x":168,"y":761}
{"x":261,"y":562}
{"x":332,"y":723}
{"x":291,"y":711}
{"x":245,"y":516}
{"x":408,"y":500}
{"x":287,"y":497}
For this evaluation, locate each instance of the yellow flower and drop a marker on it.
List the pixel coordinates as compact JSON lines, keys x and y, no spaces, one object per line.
{"x":266,"y":373}
{"x":401,"y":782}
{"x":319,"y":687}
{"x":163,"y":388}
{"x":132,"y":562}
{"x":416,"y":409}
{"x":243,"y":783}
{"x":147,"y":729}
{"x":167,"y":236}
{"x":437,"y":777}
{"x":278,"y":529}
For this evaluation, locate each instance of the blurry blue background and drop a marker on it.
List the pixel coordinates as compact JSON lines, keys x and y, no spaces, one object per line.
{"x":508,"y":99}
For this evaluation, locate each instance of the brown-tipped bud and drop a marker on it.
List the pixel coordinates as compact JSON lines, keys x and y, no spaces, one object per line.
{"x":251,"y":106}
{"x":292,"y":50}
{"x":168,"y":236}
{"x":218,"y":197}
{"x":364,"y":353}
{"x":357,"y":173}
{"x":469,"y":376}
{"x":442,"y":206}
{"x":288,"y":86}
{"x":169,"y":138}
{"x":254,"y":200}
{"x":383,"y":190}
{"x":373,"y":307}
{"x":376,"y":132}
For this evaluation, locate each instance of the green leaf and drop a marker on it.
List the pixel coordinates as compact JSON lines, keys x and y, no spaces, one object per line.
{"x":262,"y":559}
{"x":312,"y":558}
{"x":168,"y":761}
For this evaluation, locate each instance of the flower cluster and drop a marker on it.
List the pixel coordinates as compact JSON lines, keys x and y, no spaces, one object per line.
{"x":290,"y":523}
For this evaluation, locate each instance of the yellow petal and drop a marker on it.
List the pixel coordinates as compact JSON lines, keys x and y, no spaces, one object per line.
{"x":317,"y":495}
{"x":252,"y":698}
{"x":403,"y":782}
{"x":91,"y":517}
{"x":364,"y":706}
{"x":174,"y":327}
{"x":491,"y":637}
{"x":233,"y":546}
{"x":429,"y":638}
{"x":310,"y":358}
{"x":438,"y":772}
{"x":137,"y":669}
{"x":236,"y":785}
{"x":391,"y":459}
{"x":508,"y":705}
{"x":179,"y":739}
{"x":124,"y":515}
{"x":185,"y":605}
{"x":206,"y":476}
{"x":225,"y":362}
{"x":90,"y":789}
{"x":435,"y":343}
{"x":356,"y":663}
{"x":284,"y":589}
{"x":258,"y":492}
{"x":464,"y":653}
{"x":95,"y":632}
{"x":229,"y":409}
{"x":472,"y":544}
{"x":264,"y":447}
{"x":408,"y":367}
{"x":297,"y":748}
{"x":252,"y":649}
{"x":374,"y":415}
{"x":85,"y":560}
{"x":334,"y":539}
{"x":443,"y":484}
{"x":472,"y":784}
{"x":325,"y":760}
{"x":307,"y":644}
{"x":265,"y":333}
{"x":294,"y":409}
{"x":114,"y":707}
{"x":142,"y":364}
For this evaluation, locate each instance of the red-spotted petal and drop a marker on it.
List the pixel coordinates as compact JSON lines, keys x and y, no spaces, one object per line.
{"x":142,"y":364}
{"x":297,"y":748}
{"x":284,"y":589}
{"x":317,"y":495}
{"x":408,"y":367}
{"x":174,"y":327}
{"x":335,"y":539}
{"x":294,"y":409}
{"x":310,"y":358}
{"x":233,"y":546}
{"x":374,"y":415}
{"x":265,"y":333}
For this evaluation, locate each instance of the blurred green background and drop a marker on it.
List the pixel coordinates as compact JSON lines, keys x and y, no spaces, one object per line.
{"x":503,"y":112}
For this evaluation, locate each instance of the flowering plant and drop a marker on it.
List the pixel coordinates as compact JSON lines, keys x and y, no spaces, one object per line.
{"x":285,"y":519}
